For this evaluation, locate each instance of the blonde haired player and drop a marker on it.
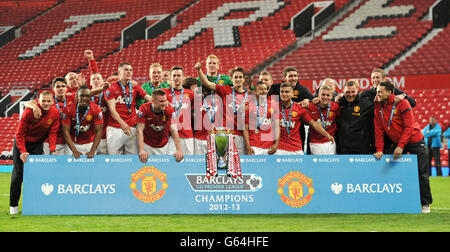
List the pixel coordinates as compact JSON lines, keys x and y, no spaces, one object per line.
{"x":324,"y":113}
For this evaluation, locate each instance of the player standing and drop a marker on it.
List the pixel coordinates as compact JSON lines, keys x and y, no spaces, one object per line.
{"x":121,"y":100}
{"x":82,"y":125}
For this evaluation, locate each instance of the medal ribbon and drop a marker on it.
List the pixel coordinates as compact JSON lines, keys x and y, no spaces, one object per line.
{"x":210,"y":111}
{"x":100,"y":98}
{"x":235,"y":110}
{"x":156,"y":117}
{"x":390,"y":117}
{"x":288,"y":127}
{"x":78,"y":121}
{"x":58,"y":107}
{"x":128,"y":99}
{"x":258,"y":120}
{"x":324,"y":122}
{"x":179,"y":103}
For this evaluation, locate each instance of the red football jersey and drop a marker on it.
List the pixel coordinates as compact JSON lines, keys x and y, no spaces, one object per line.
{"x":32,"y":130}
{"x":231,"y":120}
{"x":206,"y":109}
{"x":260,"y":129}
{"x":328,"y":123}
{"x":291,"y":141}
{"x":87,"y":124}
{"x":157,"y":126}
{"x":115,"y":91}
{"x":101,"y":102}
{"x":61,"y":105}
{"x":182,"y":112}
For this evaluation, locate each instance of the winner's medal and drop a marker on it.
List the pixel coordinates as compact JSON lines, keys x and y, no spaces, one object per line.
{"x":287,"y":124}
{"x":258,"y":119}
{"x":128,"y":99}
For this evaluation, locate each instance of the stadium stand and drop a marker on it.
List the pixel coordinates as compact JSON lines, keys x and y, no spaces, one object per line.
{"x":433,"y":57}
{"x":361,"y":35}
{"x":344,"y":51}
{"x":16,"y":13}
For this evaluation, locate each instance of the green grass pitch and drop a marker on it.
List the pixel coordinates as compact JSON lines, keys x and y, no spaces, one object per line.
{"x":437,"y":221}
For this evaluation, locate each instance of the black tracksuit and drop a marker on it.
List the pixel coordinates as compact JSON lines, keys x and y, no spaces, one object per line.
{"x":355,"y":133}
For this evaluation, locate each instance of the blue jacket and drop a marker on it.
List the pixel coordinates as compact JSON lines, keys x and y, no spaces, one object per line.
{"x":447,"y":135}
{"x":435,"y":135}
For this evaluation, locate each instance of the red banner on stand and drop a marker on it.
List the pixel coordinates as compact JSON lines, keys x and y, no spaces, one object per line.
{"x":404,"y":82}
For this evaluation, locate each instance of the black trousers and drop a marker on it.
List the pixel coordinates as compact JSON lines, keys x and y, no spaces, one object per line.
{"x":421,"y":150}
{"x":435,"y":152}
{"x":17,"y":173}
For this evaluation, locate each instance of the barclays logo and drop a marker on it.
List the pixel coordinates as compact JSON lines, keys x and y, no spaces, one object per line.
{"x":373,"y":188}
{"x":248,"y":182}
{"x":336,"y":188}
{"x":42,"y":160}
{"x":47,"y":189}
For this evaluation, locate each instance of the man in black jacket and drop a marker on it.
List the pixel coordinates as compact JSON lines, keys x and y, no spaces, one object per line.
{"x":355,"y":134}
{"x":301,"y":93}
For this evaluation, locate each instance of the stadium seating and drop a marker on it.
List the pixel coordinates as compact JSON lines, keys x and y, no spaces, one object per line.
{"x":67,"y":54}
{"x":15,"y":13}
{"x":351,"y":56}
{"x":254,"y":40}
{"x":433,"y":57}
{"x":8,"y":126}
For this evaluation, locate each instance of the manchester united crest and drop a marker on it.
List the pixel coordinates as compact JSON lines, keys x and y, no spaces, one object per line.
{"x":299,"y":189}
{"x":153,"y":184}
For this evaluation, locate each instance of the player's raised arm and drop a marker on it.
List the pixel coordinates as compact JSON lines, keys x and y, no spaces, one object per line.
{"x":205,"y":82}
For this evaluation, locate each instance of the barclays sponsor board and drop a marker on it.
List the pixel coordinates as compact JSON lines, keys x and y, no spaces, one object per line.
{"x":63,"y":185}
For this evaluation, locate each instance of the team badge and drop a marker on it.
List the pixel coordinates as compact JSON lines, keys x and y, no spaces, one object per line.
{"x":88,"y":118}
{"x":356,"y":109}
{"x":151,"y":179}
{"x":50,"y":121}
{"x":297,"y":186}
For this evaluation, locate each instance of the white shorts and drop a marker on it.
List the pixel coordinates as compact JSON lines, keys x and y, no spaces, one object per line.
{"x":260,"y":151}
{"x":83,"y":148}
{"x":102,"y":148}
{"x":187,"y":146}
{"x":327,"y":148}
{"x":118,"y":143}
{"x":285,"y":152}
{"x":240,"y":144}
{"x":200,"y":147}
{"x":60,"y":148}
{"x":157,"y":151}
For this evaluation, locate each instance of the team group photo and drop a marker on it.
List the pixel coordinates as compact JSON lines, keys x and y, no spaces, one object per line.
{"x":245,"y":111}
